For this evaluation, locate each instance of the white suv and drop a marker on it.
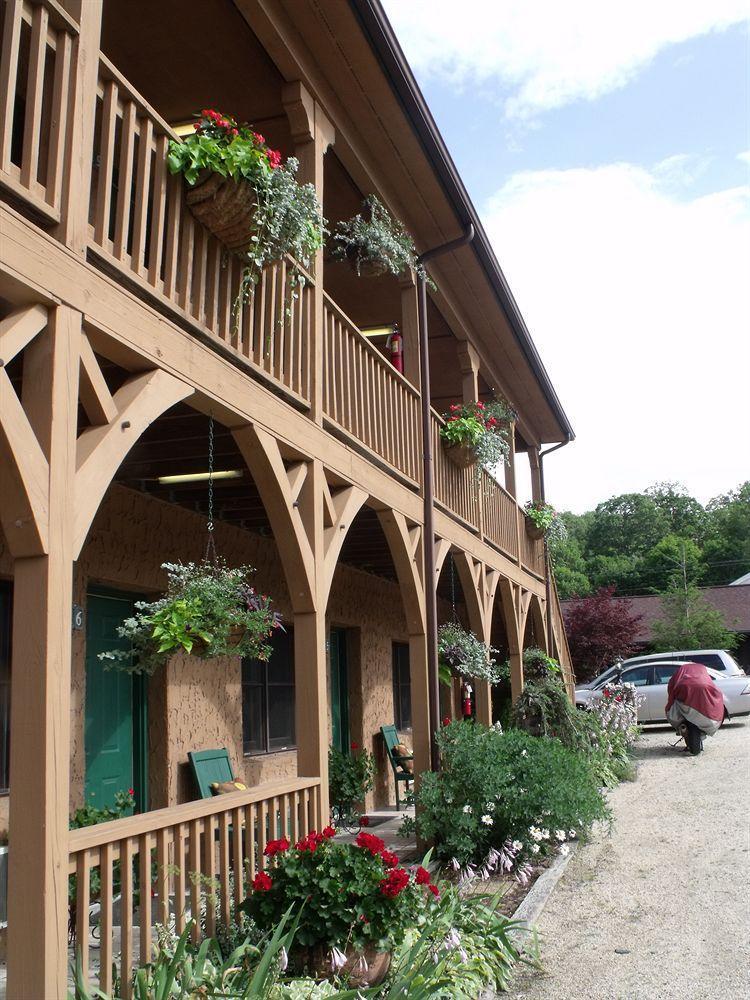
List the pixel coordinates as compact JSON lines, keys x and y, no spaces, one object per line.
{"x":716,"y":659}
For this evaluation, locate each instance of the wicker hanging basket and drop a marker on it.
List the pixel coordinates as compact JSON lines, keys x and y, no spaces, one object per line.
{"x":533,"y":530}
{"x":462,"y":455}
{"x":366,"y":267}
{"x":226,"y":208}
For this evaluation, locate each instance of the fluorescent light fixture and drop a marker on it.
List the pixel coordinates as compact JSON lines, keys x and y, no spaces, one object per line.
{"x":184,"y":128}
{"x":200,"y":477}
{"x":377,"y":331}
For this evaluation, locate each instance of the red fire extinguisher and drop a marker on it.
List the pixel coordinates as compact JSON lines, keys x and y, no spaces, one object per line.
{"x":395,"y":345}
{"x":466,"y":706}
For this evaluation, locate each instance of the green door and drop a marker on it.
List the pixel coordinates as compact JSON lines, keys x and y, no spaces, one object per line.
{"x":114,"y":723}
{"x":339,"y":690}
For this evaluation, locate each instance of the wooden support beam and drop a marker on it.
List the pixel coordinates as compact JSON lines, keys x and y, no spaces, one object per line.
{"x":40,"y":695}
{"x":346,"y":504}
{"x":536,"y":474}
{"x":410,"y":327}
{"x":509,"y":602}
{"x":95,"y":397}
{"x":18,"y":329}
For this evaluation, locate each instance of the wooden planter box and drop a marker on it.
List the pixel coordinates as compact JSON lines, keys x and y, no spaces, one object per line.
{"x":462,"y":455}
{"x":226,"y":208}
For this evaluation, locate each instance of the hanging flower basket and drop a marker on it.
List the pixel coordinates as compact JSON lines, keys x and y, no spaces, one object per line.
{"x":462,"y":654}
{"x":226,"y":207}
{"x":234,"y":637}
{"x":533,"y":530}
{"x":462,"y":455}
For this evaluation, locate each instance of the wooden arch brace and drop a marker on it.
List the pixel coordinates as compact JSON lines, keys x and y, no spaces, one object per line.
{"x":308,"y":516}
{"x":405,"y":544}
{"x":122,"y":419}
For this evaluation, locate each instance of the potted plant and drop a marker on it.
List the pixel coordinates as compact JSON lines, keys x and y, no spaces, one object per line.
{"x":241,"y":191}
{"x":208,"y":610}
{"x":350,"y":777}
{"x":477,"y":433}
{"x":374,"y":243}
{"x":358,"y":903}
{"x":543,"y":521}
{"x":461,"y":652}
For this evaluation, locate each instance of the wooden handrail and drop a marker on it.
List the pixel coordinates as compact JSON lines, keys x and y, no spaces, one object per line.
{"x":127,"y":90}
{"x":132,"y":826}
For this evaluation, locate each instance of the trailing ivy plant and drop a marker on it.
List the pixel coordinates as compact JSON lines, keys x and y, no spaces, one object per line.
{"x":547,"y":519}
{"x":461,"y":652}
{"x":375,"y":239}
{"x":287,"y":218}
{"x":208,"y":610}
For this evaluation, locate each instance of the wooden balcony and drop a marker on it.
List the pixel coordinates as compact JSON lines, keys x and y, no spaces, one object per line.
{"x":141,"y":232}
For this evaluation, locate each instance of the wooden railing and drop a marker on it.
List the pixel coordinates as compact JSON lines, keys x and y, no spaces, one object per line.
{"x":500,"y":516}
{"x":34,"y":104}
{"x":560,"y":638}
{"x":141,"y":226}
{"x":191,"y":861}
{"x":365,"y":396}
{"x":456,"y":489}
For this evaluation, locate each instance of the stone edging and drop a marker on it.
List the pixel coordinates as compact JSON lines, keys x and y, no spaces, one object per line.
{"x":530,"y":908}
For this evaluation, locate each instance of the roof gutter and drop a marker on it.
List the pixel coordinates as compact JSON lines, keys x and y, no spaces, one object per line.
{"x":376,"y":26}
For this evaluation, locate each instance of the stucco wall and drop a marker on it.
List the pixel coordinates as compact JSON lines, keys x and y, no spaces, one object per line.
{"x":197,"y":704}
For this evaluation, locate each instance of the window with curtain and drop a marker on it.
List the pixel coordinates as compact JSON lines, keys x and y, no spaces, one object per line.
{"x":401,"y":686}
{"x":268,"y":698}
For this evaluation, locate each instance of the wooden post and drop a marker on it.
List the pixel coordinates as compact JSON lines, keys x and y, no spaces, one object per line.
{"x":536,"y":478}
{"x":410,"y":327}
{"x":510,"y":465}
{"x":79,"y":155}
{"x":468,"y":359}
{"x":311,"y":703}
{"x":40,"y":696}
{"x":312,"y":133}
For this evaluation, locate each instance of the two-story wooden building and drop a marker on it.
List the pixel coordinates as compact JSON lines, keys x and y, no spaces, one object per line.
{"x":118,"y":346}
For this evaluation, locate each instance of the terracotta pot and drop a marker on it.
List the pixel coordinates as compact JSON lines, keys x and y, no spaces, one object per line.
{"x":533,"y":530}
{"x":462,"y":455}
{"x":317,"y":962}
{"x":226,"y":208}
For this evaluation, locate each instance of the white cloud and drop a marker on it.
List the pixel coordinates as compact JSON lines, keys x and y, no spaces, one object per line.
{"x":639,"y":302}
{"x":549,"y":53}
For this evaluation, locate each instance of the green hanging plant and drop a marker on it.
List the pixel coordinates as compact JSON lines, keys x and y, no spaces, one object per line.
{"x":461,"y":652}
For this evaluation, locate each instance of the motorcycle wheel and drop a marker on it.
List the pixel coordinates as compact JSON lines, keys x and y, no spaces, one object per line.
{"x":693,"y":738}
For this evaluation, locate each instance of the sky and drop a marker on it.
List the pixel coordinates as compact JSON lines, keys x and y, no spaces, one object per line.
{"x":606,"y":148}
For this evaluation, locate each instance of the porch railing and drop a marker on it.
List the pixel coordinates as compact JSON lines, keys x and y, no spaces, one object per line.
{"x":365,"y":396}
{"x":456,"y":489}
{"x":191,"y":861}
{"x":35,"y":87}
{"x":532,"y":550}
{"x":500,"y":516}
{"x":141,"y":227}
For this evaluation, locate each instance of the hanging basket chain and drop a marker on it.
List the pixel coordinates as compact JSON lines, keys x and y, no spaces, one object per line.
{"x":211,"y":555}
{"x":453,"y":589}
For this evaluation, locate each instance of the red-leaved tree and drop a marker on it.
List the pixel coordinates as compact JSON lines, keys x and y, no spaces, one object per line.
{"x":600,"y":628}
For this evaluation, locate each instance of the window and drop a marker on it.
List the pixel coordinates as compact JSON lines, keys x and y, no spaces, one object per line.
{"x":268,"y":698}
{"x":401,"y":686}
{"x":663,"y":673}
{"x":640,"y":676}
{"x":5,"y":630}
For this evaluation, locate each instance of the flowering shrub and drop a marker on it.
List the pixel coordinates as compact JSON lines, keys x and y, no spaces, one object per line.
{"x":484,"y":427}
{"x":287,"y":218}
{"x":504,"y":789}
{"x":350,"y":777}
{"x":463,"y":653}
{"x":356,"y":895}
{"x":547,"y":519}
{"x":375,"y":240}
{"x":208,"y":610}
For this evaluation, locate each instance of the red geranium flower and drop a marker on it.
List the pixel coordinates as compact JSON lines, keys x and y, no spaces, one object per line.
{"x":354,"y":746}
{"x":274,"y":158}
{"x":369,"y":842}
{"x":262,"y":882}
{"x":311,"y":842}
{"x":446,"y":720}
{"x":330,"y":831}
{"x":364,"y":820}
{"x":422,"y":876}
{"x":434,"y":890}
{"x":390,"y":860}
{"x":274,"y":847}
{"x":394,"y":883}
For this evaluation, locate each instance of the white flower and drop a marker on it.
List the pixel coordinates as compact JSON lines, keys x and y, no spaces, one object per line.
{"x":564,"y":849}
{"x":524,"y":753}
{"x":455,"y":864}
{"x":468,"y":809}
{"x":521,"y":791}
{"x":517,"y":845}
{"x":560,"y":835}
{"x":338,"y":959}
{"x":535,"y":848}
{"x":487,"y":820}
{"x":490,"y":807}
{"x":571,"y":834}
{"x":361,"y":967}
{"x":544,"y":834}
{"x":535,"y":833}
{"x":283,"y":960}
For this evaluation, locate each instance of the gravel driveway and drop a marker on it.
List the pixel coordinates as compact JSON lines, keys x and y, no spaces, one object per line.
{"x":659,"y":908}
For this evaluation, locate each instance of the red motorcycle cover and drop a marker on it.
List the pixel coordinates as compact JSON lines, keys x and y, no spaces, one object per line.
{"x":693,"y":687}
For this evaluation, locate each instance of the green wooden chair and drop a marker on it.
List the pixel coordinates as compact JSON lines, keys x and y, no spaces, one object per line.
{"x":392,"y":740}
{"x":210,"y":766}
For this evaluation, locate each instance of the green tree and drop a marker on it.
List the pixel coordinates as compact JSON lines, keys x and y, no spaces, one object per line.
{"x":672,"y":558}
{"x":685,"y":516}
{"x":727,"y":545}
{"x":689,"y":622}
{"x":570,"y":566}
{"x":627,"y":526}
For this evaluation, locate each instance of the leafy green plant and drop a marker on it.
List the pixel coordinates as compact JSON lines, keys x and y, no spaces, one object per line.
{"x":287,"y":218}
{"x":461,"y":652}
{"x":356,"y":895}
{"x":89,"y":815}
{"x":375,"y":240}
{"x":350,"y":777}
{"x":483,"y":427}
{"x":495,"y":787}
{"x":209,"y":610}
{"x":547,"y":519}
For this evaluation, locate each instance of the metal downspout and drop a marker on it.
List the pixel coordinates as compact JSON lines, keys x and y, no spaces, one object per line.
{"x":547,"y":563}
